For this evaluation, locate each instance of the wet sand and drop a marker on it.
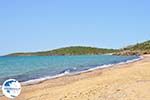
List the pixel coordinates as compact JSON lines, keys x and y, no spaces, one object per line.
{"x":121,"y":82}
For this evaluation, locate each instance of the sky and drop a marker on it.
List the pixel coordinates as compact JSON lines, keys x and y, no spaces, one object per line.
{"x":37,"y":25}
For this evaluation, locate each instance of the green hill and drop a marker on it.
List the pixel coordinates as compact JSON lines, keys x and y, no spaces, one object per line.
{"x":74,"y":50}
{"x":145,"y":46}
{"x":138,"y":49}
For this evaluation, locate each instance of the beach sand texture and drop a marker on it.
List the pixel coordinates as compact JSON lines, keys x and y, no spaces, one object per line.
{"x":121,"y":82}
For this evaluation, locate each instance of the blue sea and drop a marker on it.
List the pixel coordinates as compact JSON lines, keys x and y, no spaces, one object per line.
{"x":33,"y":68}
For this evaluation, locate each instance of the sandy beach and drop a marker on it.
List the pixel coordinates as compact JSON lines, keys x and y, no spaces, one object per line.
{"x":121,"y":82}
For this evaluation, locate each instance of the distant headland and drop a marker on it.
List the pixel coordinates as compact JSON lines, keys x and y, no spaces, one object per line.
{"x":137,"y":49}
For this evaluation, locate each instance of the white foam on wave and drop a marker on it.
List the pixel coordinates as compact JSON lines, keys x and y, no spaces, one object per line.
{"x":35,"y":81}
{"x":133,"y":60}
{"x":110,"y":65}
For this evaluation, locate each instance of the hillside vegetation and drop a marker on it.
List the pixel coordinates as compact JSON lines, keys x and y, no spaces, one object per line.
{"x":74,"y":50}
{"x":137,"y":49}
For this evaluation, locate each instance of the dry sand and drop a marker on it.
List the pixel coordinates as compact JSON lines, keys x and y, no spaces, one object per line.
{"x":120,"y":82}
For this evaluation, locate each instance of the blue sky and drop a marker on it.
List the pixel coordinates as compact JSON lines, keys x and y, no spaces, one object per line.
{"x":35,"y":25}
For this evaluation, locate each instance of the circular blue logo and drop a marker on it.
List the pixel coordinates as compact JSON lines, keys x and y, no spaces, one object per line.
{"x":11,"y":88}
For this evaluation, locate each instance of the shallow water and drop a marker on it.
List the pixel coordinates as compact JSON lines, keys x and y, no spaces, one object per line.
{"x":33,"y":67}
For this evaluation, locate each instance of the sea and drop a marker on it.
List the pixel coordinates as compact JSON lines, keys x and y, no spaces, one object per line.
{"x":33,"y":69}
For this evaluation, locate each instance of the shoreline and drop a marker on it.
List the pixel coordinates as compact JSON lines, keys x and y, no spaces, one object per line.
{"x":33,"y":79}
{"x":75,"y":87}
{"x":40,"y":80}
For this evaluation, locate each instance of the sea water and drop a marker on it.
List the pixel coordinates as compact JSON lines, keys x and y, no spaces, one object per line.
{"x":26,"y":68}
